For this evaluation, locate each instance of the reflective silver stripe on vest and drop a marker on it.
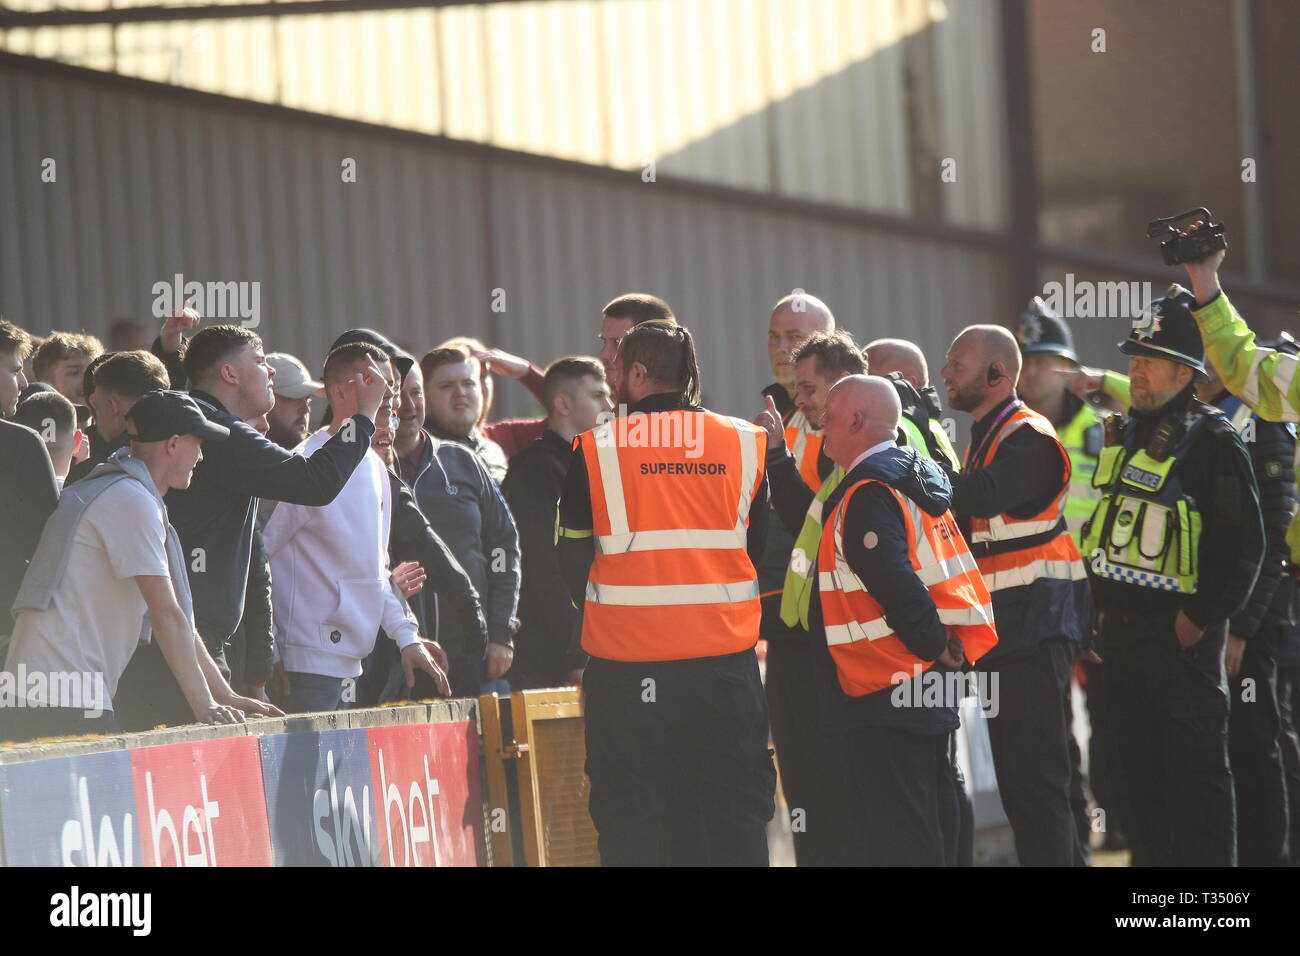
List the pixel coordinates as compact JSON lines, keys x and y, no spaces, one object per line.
{"x":962,"y":616}
{"x":620,"y":540}
{"x":1000,"y":529}
{"x":857,"y":631}
{"x":940,"y":571}
{"x":710,"y":539}
{"x":1034,"y":571}
{"x":652,"y":595}
{"x":611,"y":479}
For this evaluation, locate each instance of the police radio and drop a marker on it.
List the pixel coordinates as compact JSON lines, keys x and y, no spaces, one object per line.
{"x":1187,"y":246}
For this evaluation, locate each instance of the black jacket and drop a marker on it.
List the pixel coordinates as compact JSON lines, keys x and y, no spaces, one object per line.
{"x":216,"y":512}
{"x":886,"y":571}
{"x":251,"y":651}
{"x":466,"y":509}
{"x":1216,"y":472}
{"x":412,"y":538}
{"x":28,"y":496}
{"x":774,"y":560}
{"x":1272,"y":455}
{"x":576,"y":554}
{"x":547,"y":616}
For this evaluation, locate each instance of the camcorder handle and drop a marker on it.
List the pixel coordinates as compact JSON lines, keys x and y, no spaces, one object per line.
{"x":1180,"y":247}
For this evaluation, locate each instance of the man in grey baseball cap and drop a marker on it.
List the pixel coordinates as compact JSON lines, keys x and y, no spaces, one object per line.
{"x":294,"y":387}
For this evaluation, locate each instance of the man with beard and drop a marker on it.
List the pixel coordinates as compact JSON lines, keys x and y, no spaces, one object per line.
{"x":289,"y":419}
{"x":1009,"y":498}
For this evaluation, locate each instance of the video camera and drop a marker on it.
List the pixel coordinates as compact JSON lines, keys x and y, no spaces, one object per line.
{"x":1187,"y":246}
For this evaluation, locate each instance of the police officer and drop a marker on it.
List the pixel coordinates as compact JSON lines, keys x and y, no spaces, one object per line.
{"x":1174,"y":547}
{"x":661,"y":519}
{"x":1009,"y":499}
{"x":1256,"y":635}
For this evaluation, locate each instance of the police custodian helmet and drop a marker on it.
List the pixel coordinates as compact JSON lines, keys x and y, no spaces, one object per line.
{"x":1042,"y":332}
{"x":1169,"y":331}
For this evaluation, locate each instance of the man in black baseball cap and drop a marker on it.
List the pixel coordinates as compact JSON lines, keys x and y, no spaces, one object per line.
{"x":108,"y":561}
{"x":1173,"y":548}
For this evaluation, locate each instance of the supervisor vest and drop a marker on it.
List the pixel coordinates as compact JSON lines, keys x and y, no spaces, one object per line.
{"x":868,"y":654}
{"x":805,"y":443}
{"x":1015,"y":552}
{"x":671,"y":579}
{"x":1146,"y":530}
{"x":1081,"y":437}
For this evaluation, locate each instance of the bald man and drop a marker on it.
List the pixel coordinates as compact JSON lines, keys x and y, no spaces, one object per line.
{"x":1009,"y":501}
{"x":794,"y":319}
{"x":904,"y":364}
{"x":879,"y":632}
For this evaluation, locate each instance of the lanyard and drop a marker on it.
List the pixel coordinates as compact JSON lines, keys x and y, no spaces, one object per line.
{"x":976,"y":457}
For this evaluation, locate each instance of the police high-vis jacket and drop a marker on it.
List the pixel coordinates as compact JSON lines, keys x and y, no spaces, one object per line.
{"x":671,"y":493}
{"x":1263,"y":378}
{"x":868,"y":655}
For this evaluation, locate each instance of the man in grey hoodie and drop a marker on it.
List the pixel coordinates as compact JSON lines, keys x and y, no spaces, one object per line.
{"x":109,"y":575}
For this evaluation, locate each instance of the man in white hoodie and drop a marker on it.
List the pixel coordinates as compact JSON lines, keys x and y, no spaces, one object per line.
{"x":332,"y":590}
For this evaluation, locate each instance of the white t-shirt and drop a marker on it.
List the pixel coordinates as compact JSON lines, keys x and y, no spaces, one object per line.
{"x":93,"y":622}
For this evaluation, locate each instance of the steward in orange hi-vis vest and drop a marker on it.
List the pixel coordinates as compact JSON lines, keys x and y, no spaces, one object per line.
{"x":663,"y":513}
{"x":868,"y":654}
{"x":1013,"y":552}
{"x":671,"y":579}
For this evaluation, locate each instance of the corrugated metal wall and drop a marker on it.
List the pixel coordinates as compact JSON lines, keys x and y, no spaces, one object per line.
{"x":813,"y":99}
{"x":152,"y":182}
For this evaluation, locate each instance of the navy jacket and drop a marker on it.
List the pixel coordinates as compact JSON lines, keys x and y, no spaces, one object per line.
{"x":886,"y":571}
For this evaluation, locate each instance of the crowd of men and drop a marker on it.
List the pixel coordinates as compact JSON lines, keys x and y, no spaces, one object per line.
{"x":173,"y":525}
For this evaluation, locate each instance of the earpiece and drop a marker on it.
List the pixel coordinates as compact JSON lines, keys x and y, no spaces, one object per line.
{"x":993,"y":375}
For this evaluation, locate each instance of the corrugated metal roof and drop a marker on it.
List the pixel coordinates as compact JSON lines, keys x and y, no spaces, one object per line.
{"x":804,"y":98}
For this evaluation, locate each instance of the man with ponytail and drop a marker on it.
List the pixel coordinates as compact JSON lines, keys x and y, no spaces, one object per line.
{"x":660,"y":524}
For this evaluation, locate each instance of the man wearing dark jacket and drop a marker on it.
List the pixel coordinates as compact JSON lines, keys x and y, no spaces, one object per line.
{"x":575,"y":395}
{"x":885,"y":645}
{"x":115,"y":382}
{"x":1255,"y":635}
{"x":214,"y":517}
{"x":465,"y":508}
{"x":28,"y":493}
{"x":1008,"y":498}
{"x":1174,"y":547}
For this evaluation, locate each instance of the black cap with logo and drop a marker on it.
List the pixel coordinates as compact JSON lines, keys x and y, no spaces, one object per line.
{"x":371,"y":337}
{"x":162,"y":413}
{"x":1042,"y":332}
{"x":1169,"y":331}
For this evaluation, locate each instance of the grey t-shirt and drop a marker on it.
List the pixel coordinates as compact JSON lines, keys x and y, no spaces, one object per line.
{"x":94,"y":620}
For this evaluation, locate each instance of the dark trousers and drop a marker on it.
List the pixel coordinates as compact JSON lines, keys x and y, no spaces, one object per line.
{"x":810,"y":759}
{"x":898,"y":779}
{"x":1105,"y":776}
{"x":957,"y":813}
{"x":1288,"y":698}
{"x":148,"y":694}
{"x":1169,"y":713}
{"x":678,"y":760}
{"x":1254,"y":727}
{"x":1031,"y":753}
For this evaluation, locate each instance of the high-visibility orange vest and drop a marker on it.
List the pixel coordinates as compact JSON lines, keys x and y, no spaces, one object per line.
{"x":1046,"y":551}
{"x":868,"y":655}
{"x":805,"y":443}
{"x":671,"y":579}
